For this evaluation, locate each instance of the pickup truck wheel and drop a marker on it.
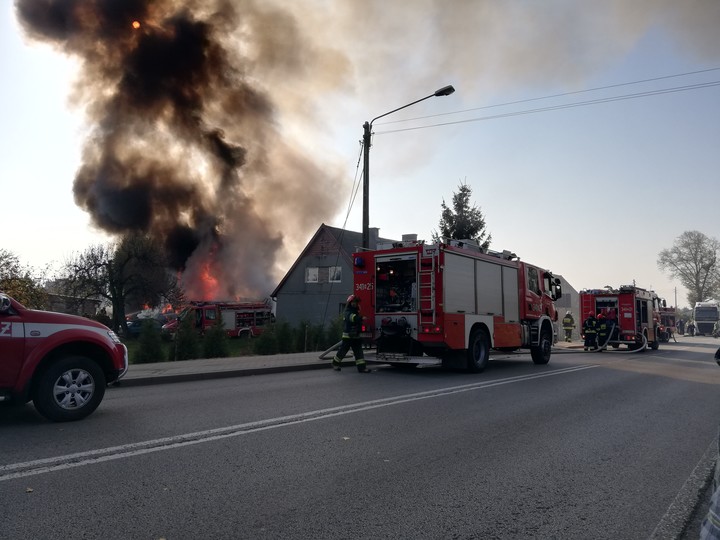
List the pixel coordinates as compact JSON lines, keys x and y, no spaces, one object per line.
{"x":479,"y":351}
{"x":541,"y":354}
{"x":69,"y":389}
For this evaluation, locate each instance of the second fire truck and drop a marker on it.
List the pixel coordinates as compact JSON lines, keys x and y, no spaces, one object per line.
{"x":239,"y":319}
{"x":633,"y":314}
{"x":453,"y":302}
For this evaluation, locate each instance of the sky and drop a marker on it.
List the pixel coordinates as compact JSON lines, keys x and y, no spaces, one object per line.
{"x":588,"y":131}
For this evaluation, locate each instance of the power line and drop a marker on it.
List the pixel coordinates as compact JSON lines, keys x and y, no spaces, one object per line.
{"x":562,"y":106}
{"x":642,"y":81}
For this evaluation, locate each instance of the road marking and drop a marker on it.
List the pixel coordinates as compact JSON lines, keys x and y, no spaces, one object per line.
{"x":14,"y":471}
{"x":674,"y":520}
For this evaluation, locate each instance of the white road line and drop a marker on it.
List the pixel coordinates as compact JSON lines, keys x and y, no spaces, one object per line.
{"x":42,"y":466}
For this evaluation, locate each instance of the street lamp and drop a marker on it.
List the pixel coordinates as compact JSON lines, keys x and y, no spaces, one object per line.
{"x":367,"y":127}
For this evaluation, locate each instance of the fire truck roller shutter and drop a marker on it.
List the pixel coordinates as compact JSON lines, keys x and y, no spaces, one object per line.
{"x":459,"y":278}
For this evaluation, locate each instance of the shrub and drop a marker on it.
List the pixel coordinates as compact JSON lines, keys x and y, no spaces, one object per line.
{"x":187,"y":341}
{"x":150,"y":344}
{"x":284,"y":337}
{"x":215,"y":343}
{"x":267,"y":342}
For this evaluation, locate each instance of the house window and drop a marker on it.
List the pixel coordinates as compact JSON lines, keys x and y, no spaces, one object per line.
{"x":335,"y":274}
{"x":311,"y":274}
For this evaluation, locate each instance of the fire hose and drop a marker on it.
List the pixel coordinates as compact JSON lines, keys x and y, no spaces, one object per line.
{"x":603,"y":347}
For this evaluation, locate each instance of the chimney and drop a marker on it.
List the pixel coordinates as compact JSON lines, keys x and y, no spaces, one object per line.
{"x":374,"y":234}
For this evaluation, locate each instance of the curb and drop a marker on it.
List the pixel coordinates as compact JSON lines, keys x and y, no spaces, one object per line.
{"x":222,"y":374}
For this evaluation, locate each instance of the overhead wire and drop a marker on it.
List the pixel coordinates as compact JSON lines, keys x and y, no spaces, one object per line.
{"x":586,"y":90}
{"x":559,"y":107}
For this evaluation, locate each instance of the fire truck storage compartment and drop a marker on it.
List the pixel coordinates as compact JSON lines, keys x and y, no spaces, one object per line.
{"x":396,"y":289}
{"x":480,"y":287}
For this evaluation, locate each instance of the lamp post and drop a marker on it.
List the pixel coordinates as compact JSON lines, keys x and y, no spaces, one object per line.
{"x":367,"y":128}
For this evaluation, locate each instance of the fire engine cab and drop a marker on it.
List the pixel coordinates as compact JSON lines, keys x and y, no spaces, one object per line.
{"x":453,"y":302}
{"x":632,"y":312}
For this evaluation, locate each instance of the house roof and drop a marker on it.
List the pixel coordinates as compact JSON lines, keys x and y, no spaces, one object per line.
{"x":347,"y":242}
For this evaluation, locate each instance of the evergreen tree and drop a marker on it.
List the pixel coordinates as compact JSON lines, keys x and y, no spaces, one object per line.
{"x":462,"y":222}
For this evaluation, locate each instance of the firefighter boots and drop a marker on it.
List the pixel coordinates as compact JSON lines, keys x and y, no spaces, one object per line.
{"x":336,"y":364}
{"x":362,"y":368}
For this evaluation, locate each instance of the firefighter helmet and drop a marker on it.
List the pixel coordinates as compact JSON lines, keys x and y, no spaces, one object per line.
{"x":352,"y":298}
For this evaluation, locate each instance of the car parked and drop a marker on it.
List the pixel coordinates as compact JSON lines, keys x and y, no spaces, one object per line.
{"x":135,"y":326}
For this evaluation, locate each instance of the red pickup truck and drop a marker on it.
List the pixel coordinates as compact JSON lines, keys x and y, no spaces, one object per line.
{"x":61,"y":362}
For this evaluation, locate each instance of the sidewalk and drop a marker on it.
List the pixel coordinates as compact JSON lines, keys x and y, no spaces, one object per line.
{"x":218,"y":368}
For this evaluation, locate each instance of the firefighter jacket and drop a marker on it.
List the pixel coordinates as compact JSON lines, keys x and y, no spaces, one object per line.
{"x":352,"y":322}
{"x":590,"y":325}
{"x":602,"y":326}
{"x":568,"y":322}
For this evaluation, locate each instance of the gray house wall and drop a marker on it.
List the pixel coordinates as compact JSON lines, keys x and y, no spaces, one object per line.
{"x":297,"y":301}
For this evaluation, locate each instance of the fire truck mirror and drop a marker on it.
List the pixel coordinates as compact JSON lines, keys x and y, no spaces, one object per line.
{"x":4,"y":303}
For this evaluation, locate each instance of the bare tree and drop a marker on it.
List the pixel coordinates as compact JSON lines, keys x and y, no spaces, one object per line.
{"x":463,"y":222}
{"x":131,"y":271}
{"x":693,"y":260}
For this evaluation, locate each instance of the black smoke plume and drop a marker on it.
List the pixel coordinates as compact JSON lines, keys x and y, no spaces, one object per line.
{"x":182,"y":138}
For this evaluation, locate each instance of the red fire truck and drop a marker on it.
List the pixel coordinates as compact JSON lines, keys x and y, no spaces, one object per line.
{"x":453,"y":302}
{"x":667,"y":323}
{"x":240,"y":319}
{"x":632,"y":311}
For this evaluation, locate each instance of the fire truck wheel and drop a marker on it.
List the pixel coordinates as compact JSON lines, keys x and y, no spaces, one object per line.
{"x":479,"y":351}
{"x":69,"y":389}
{"x":541,"y":354}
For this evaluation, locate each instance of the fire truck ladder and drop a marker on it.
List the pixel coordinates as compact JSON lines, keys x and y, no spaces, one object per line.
{"x":426,"y":290}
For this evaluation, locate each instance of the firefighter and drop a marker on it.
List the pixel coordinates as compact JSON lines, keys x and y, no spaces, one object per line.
{"x":568,"y":325}
{"x":352,"y":325}
{"x":590,"y":331}
{"x":603,"y":331}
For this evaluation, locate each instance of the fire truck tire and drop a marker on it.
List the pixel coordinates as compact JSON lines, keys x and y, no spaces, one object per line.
{"x":479,"y":351}
{"x":541,"y":354}
{"x":69,"y":389}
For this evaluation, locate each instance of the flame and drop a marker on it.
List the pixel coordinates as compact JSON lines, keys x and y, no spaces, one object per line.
{"x":209,"y":285}
{"x":136,"y":24}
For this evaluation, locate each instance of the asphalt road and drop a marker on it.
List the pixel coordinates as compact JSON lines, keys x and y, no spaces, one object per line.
{"x":590,"y":446}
